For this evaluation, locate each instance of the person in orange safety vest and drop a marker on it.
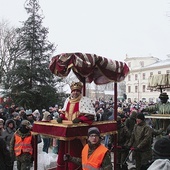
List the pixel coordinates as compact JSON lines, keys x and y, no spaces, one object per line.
{"x":21,"y":146}
{"x":95,"y":156}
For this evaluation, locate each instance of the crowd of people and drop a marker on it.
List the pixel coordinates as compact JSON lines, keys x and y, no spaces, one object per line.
{"x":15,"y":129}
{"x":134,"y":132}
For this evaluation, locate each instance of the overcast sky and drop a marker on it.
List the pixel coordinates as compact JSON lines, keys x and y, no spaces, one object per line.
{"x":110,"y":28}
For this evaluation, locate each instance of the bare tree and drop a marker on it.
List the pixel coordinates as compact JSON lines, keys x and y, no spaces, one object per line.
{"x":7,"y":38}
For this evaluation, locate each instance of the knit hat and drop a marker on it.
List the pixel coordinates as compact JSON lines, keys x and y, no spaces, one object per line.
{"x":93,"y":130}
{"x":43,"y":110}
{"x":141,"y":116}
{"x":28,"y":112}
{"x":21,"y":108}
{"x":26,"y":123}
{"x":162,"y":147}
{"x":50,"y":108}
{"x":36,"y":113}
{"x":45,"y":115}
{"x":163,"y":96}
{"x":15,"y":114}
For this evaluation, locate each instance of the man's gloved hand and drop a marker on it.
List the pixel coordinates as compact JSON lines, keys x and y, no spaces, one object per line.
{"x":76,"y":120}
{"x":66,"y":157}
{"x":59,"y":120}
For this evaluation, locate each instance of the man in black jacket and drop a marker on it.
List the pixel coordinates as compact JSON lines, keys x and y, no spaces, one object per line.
{"x":5,"y":159}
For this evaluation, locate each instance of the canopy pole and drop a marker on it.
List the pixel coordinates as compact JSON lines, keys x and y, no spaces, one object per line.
{"x":84,"y":86}
{"x":115,"y":118}
{"x":160,"y":89}
{"x":35,"y":152}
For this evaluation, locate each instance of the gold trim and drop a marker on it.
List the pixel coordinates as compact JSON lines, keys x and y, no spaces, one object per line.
{"x":161,"y":115}
{"x":71,"y":138}
{"x":68,"y":123}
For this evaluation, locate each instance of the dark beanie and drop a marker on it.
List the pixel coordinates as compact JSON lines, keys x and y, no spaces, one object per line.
{"x":140,"y":116}
{"x":93,"y":130}
{"x":162,"y":147}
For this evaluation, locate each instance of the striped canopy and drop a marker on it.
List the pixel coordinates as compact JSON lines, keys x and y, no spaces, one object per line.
{"x":89,"y":67}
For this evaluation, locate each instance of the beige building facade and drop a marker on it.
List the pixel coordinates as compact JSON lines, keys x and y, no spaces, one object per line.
{"x":141,"y":68}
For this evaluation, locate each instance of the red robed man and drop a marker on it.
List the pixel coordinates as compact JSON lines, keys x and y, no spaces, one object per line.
{"x":77,"y":108}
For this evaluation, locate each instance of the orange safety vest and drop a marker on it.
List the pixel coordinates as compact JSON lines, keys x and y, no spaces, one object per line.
{"x":95,"y":160}
{"x":23,"y":145}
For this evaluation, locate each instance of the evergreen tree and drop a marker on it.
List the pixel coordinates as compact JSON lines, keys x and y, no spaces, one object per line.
{"x":31,"y":82}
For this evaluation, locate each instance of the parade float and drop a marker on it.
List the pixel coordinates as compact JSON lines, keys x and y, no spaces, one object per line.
{"x":88,"y":68}
{"x":160,"y":82}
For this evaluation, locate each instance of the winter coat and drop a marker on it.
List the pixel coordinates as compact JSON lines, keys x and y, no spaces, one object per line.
{"x":105,"y":116}
{"x":106,"y":163}
{"x":23,"y":156}
{"x":131,"y":121}
{"x":8,"y":132}
{"x":123,"y":135}
{"x":5,"y":159}
{"x":141,"y":137}
{"x":160,"y":108}
{"x":160,"y":164}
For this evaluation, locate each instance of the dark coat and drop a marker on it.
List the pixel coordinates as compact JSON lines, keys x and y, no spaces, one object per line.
{"x":23,"y":156}
{"x":8,"y":132}
{"x":141,"y":137}
{"x":5,"y":159}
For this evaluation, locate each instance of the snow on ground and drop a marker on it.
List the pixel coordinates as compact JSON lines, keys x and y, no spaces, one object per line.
{"x":45,"y":161}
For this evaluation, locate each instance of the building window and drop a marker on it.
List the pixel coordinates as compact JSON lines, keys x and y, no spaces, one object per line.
{"x":136,"y":77}
{"x":136,"y":89}
{"x":129,"y":78}
{"x":129,"y":89}
{"x":142,"y":63}
{"x":144,"y":88}
{"x":159,"y":72}
{"x":144,"y":99}
{"x":129,"y":64}
{"x":151,"y":73}
{"x":144,"y":76}
{"x":167,"y":71}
